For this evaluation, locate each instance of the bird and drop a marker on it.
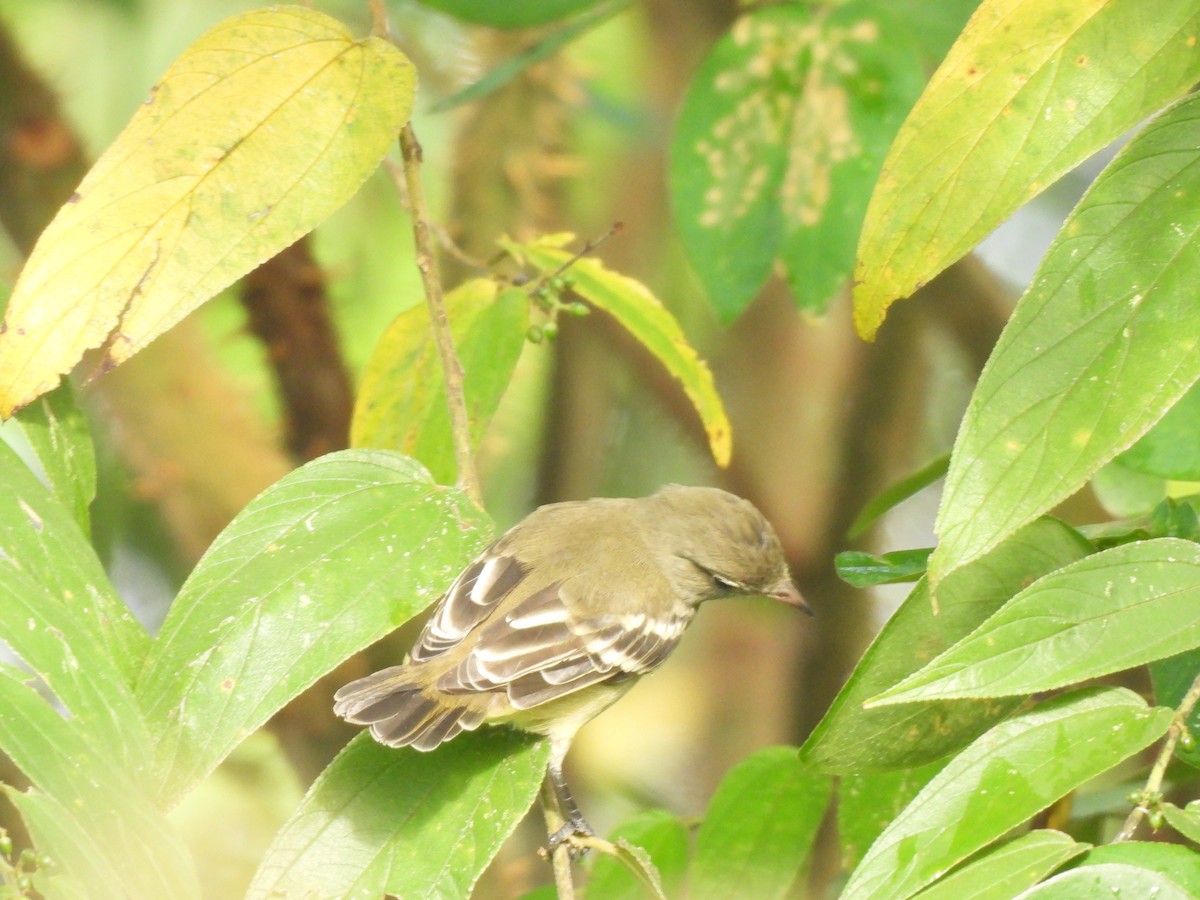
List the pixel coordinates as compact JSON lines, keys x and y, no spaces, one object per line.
{"x":559,"y":617}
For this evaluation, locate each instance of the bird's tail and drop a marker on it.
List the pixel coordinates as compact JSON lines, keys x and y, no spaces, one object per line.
{"x":401,"y":714}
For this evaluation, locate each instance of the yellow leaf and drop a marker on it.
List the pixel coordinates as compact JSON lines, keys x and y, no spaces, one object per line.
{"x":258,"y":132}
{"x":641,"y":314}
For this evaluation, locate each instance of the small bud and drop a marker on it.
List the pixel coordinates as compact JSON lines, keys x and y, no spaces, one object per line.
{"x":5,"y":844}
{"x":1156,"y":819}
{"x":534,"y":335}
{"x":1186,"y":741}
{"x":578,"y":308}
{"x":45,"y":861}
{"x":550,"y":330}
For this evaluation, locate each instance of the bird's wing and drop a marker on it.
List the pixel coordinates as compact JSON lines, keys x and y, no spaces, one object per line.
{"x":475,"y":593}
{"x":541,"y":650}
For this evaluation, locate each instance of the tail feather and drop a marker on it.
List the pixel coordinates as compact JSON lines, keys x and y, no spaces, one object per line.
{"x":401,"y":715}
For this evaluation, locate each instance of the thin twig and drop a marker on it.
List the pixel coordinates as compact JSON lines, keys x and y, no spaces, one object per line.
{"x":560,"y":856}
{"x":448,"y":244}
{"x":589,"y":246}
{"x":468,"y":479}
{"x":1151,"y":794}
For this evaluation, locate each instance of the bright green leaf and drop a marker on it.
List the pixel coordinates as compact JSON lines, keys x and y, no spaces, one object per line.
{"x":1015,"y":770}
{"x":866,"y":569}
{"x":1185,"y":821}
{"x":1008,"y":869}
{"x":1028,"y":92}
{"x":405,"y":823}
{"x":524,"y":14}
{"x":1100,"y":615}
{"x":1108,"y":880}
{"x":332,"y":557}
{"x":258,"y":132}
{"x":852,"y":739}
{"x":85,"y":811}
{"x":779,"y":144}
{"x":402,"y":401}
{"x":866,"y":804}
{"x":1170,"y":449}
{"x":58,"y":434}
{"x":641,"y":314}
{"x":1109,"y":316}
{"x":60,"y":614}
{"x":1178,"y":863}
{"x":759,"y":827}
{"x":662,"y":836}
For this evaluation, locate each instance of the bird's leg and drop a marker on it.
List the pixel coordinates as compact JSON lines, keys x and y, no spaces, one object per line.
{"x":564,"y":821}
{"x":574,"y":824}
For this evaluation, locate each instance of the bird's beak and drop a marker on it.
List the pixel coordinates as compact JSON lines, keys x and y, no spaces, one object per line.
{"x":791,"y":596}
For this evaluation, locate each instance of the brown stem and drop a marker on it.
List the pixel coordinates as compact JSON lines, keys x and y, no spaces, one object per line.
{"x":1151,"y":794}
{"x":460,"y":427}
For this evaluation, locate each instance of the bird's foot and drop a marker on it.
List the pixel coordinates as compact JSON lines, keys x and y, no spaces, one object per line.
{"x":574,"y":834}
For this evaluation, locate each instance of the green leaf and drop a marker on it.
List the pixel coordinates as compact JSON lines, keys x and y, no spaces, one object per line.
{"x":82,"y":791}
{"x":866,"y":569}
{"x":58,"y":434}
{"x":661,"y":835}
{"x":258,"y":132}
{"x":759,"y":827}
{"x":1185,"y":821}
{"x":1171,"y":679}
{"x":1007,"y":775}
{"x":525,"y":14}
{"x":1008,"y":869}
{"x":1180,"y":864}
{"x":402,"y":401}
{"x":1100,"y":615}
{"x":1170,"y":449}
{"x":405,"y":823}
{"x":504,"y":72}
{"x":1028,"y":92}
{"x":1108,"y":880}
{"x":59,"y":613}
{"x":332,"y":557}
{"x":895,"y":494}
{"x":1108,"y":315}
{"x":779,"y":144}
{"x":641,"y":314}
{"x":1126,"y":492}
{"x":866,"y":804}
{"x":852,"y":739}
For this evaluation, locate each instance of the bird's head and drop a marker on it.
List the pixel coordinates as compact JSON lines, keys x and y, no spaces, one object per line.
{"x":714,"y":544}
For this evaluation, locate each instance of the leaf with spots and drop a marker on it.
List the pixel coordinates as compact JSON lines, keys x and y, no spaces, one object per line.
{"x":329,"y":559}
{"x":779,"y":144}
{"x":1009,"y":774}
{"x":405,"y":823}
{"x":852,"y":739}
{"x":401,"y":403}
{"x":1101,"y":615}
{"x":1098,"y":349}
{"x":60,"y":614}
{"x":259,"y":131}
{"x":59,"y":435}
{"x":1029,"y":91}
{"x":641,"y":314}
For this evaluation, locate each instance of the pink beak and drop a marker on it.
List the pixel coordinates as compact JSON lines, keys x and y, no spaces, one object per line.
{"x":791,"y":596}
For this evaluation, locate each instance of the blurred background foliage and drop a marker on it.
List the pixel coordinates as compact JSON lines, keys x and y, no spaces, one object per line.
{"x":263,"y":378}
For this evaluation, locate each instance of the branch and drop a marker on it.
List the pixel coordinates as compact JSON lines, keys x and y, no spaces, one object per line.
{"x":1151,"y":795}
{"x":468,"y":478}
{"x":560,"y":856}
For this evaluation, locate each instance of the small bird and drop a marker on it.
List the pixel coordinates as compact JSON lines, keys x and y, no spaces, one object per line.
{"x":560,"y":616}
